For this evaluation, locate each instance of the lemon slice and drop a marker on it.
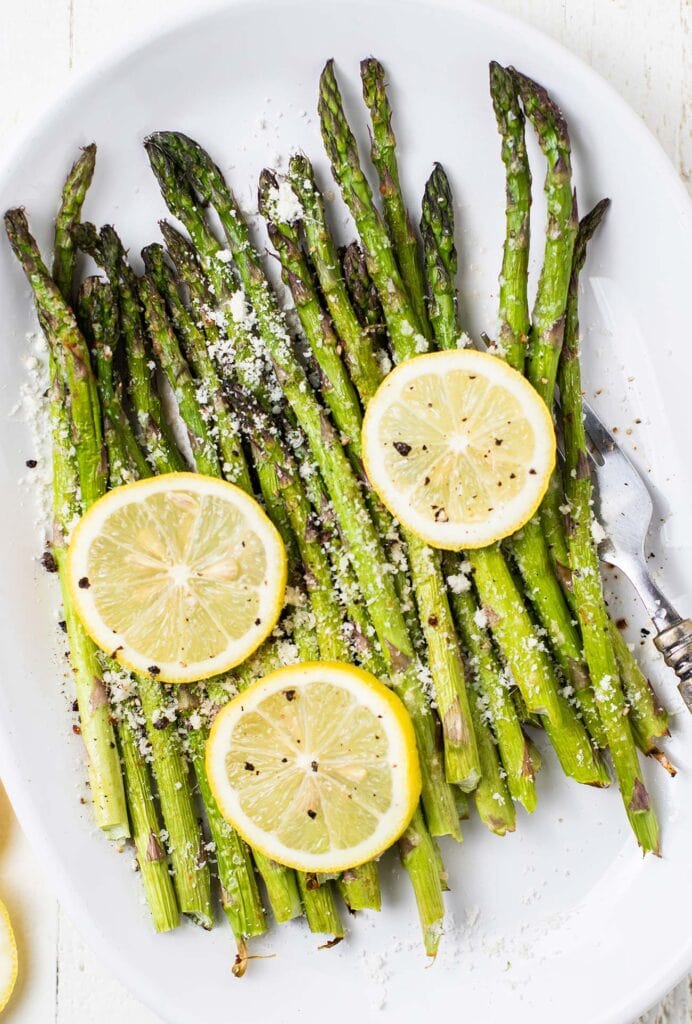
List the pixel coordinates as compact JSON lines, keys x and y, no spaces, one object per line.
{"x":459,"y":447}
{"x":316,"y":766}
{"x":8,"y":957}
{"x":180,"y":576}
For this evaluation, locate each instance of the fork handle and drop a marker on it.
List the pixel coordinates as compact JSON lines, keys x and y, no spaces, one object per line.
{"x":675,"y":644}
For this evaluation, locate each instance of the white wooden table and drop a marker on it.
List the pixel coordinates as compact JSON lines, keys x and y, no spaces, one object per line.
{"x":643,"y":48}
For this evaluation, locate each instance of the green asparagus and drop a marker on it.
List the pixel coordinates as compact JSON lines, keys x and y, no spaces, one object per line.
{"x":383,"y":153}
{"x":75,"y":419}
{"x":584,"y":563}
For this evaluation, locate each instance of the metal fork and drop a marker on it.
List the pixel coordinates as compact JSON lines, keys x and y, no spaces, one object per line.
{"x":624,"y":508}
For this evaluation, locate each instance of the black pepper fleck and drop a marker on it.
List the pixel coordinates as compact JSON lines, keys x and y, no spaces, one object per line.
{"x":84,"y":583}
{"x":48,"y":562}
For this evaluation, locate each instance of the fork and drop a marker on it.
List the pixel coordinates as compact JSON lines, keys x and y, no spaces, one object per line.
{"x":624,"y":508}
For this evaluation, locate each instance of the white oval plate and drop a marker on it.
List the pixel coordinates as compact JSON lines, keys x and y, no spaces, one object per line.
{"x":564,"y":919}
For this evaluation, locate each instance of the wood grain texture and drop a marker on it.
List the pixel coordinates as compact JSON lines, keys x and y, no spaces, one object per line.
{"x":643,"y":48}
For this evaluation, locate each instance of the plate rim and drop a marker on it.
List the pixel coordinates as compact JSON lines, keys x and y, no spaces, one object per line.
{"x":134,"y":979}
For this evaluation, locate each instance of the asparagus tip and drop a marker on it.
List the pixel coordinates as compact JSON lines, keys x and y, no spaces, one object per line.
{"x":268,"y":182}
{"x":540,"y":106}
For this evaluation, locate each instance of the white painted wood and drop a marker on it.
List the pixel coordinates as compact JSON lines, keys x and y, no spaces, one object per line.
{"x":643,"y":49}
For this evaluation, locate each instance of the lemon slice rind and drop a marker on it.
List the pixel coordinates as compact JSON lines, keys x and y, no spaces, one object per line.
{"x":228,"y":753}
{"x":8,"y":957}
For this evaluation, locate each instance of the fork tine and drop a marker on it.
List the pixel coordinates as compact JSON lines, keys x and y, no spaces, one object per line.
{"x":599,"y":435}
{"x":591,"y":445}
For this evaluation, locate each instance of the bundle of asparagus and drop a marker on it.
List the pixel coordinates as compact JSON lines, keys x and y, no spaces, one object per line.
{"x":481,"y":646}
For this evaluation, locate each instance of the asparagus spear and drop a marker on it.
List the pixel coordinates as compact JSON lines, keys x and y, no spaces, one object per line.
{"x":152,"y":429}
{"x":492,"y":796}
{"x":342,"y":485}
{"x":146,"y":832}
{"x":514,"y":304}
{"x":493,"y":689}
{"x":462,"y":763}
{"x":531,"y":554}
{"x":649,"y":720}
{"x":224,"y":429}
{"x":76,"y":424}
{"x":420,"y":856}
{"x":73,"y":195}
{"x":338,"y":390}
{"x":165,"y":347}
{"x":548,"y":317}
{"x":513,"y":336}
{"x":358,"y":349}
{"x":585,"y":567}
{"x":97,"y":312}
{"x":437,"y":221}
{"x":383,"y":153}
{"x":365,"y":302}
{"x":502,"y":605}
{"x":269,"y":447}
{"x":403,"y":324}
